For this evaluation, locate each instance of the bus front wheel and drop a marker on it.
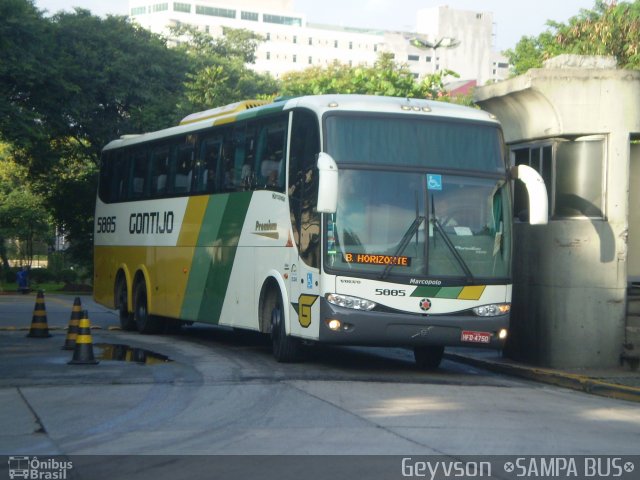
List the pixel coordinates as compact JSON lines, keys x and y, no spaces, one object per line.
{"x":145,"y":322}
{"x":286,"y":349}
{"x":428,"y":358}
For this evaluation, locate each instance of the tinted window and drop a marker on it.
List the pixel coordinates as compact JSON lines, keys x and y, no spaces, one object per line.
{"x":415,"y":142}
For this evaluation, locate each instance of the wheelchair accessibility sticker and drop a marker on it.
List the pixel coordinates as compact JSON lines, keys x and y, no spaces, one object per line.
{"x":434,"y":182}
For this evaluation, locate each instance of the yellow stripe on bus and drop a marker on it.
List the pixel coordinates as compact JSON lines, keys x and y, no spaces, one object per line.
{"x":192,"y":221}
{"x":472,"y":293}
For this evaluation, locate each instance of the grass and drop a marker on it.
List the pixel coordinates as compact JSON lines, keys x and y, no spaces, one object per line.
{"x":49,"y":287}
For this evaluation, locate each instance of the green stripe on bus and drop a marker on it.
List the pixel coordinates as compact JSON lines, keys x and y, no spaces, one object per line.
{"x":425,"y":291}
{"x":214,"y":256}
{"x":449,"y":292}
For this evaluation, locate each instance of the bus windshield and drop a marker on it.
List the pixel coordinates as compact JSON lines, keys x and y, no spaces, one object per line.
{"x":411,"y":221}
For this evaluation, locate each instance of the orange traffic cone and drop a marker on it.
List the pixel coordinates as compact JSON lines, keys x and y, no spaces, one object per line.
{"x":39,"y":327}
{"x":73,"y":329}
{"x":83,"y":351}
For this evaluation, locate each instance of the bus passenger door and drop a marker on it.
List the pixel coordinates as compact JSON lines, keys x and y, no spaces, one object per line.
{"x":305,"y":222}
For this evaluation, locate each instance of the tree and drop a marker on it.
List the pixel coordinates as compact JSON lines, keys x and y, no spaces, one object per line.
{"x":68,"y":85}
{"x":116,"y":78}
{"x":608,"y":29}
{"x":385,"y":77}
{"x":23,"y":216}
{"x":218,"y":73}
{"x":26,"y":71}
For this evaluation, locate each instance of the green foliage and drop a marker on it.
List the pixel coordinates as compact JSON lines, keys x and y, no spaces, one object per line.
{"x":218,"y":73}
{"x":24,"y":70}
{"x":23,"y":215}
{"x":385,"y":77}
{"x":117,"y":78}
{"x":608,"y":29}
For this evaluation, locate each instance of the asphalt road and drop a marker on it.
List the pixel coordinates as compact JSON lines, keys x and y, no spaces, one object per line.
{"x":209,"y":390}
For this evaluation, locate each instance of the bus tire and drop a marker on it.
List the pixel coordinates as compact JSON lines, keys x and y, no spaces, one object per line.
{"x":428,"y":358}
{"x":286,"y":349}
{"x":126,"y":318}
{"x":145,"y":323}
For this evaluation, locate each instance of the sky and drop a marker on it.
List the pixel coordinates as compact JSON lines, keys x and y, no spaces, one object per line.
{"x":513,"y":18}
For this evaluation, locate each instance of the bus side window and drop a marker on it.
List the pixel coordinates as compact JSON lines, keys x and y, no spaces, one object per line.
{"x":232,"y":159}
{"x":226,"y":167}
{"x":114,"y":177}
{"x":121,"y":168}
{"x":140,"y":181}
{"x":184,"y":168}
{"x":160,"y":170}
{"x":272,"y":154}
{"x":247,"y":170}
{"x":208,"y":165}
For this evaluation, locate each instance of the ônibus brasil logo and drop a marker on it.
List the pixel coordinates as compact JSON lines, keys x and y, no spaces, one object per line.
{"x":32,"y":468}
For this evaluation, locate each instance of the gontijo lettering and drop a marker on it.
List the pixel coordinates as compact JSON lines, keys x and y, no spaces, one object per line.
{"x":369,"y":259}
{"x":151,"y":222}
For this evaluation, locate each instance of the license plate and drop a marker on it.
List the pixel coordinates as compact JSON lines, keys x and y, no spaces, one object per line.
{"x":475,"y":337}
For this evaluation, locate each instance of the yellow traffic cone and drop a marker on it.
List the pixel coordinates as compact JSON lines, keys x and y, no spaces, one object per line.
{"x":83,"y":351}
{"x":73,"y":329}
{"x":39,"y":327}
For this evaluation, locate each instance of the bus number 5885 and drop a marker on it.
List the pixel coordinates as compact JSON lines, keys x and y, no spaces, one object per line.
{"x":106,"y":224}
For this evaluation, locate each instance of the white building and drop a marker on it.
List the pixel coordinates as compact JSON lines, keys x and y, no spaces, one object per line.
{"x":444,"y":38}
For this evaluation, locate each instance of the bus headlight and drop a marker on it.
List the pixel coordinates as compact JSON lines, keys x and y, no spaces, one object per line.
{"x":350,"y":302}
{"x":492,"y":310}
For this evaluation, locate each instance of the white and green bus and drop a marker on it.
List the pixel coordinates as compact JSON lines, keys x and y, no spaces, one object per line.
{"x":337,"y":219}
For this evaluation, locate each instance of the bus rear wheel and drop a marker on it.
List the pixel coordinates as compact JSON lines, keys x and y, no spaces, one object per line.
{"x":145,"y":322}
{"x":286,"y":349}
{"x":126,"y":318}
{"x":428,"y":358}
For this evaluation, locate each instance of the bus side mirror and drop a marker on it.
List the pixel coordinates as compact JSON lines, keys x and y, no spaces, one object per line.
{"x":328,"y":189}
{"x":538,"y":200}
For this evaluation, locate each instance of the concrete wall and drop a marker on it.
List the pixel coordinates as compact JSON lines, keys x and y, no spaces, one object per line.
{"x":570,"y":277}
{"x":634,"y":215}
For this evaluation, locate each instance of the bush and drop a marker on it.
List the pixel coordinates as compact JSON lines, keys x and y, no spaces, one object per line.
{"x":10,"y":275}
{"x":68,"y":276}
{"x":40,"y":275}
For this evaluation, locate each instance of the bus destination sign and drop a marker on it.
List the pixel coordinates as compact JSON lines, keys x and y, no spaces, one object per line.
{"x":370,"y":259}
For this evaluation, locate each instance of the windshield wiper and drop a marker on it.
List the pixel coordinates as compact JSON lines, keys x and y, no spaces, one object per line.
{"x":447,"y":241}
{"x":406,"y":238}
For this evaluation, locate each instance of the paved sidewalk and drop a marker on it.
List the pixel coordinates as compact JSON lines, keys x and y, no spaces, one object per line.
{"x":620,"y":383}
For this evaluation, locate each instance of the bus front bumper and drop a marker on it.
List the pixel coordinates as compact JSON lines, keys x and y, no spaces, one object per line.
{"x":401,"y":330}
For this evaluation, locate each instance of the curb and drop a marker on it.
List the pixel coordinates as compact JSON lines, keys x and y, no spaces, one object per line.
{"x":554,"y":377}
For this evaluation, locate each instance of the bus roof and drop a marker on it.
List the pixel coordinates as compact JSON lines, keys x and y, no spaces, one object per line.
{"x":370,"y":103}
{"x":317,"y":103}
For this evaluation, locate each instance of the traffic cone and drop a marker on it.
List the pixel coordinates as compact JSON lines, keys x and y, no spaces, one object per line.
{"x":73,"y":329}
{"x":39,"y":327}
{"x":83,"y":351}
